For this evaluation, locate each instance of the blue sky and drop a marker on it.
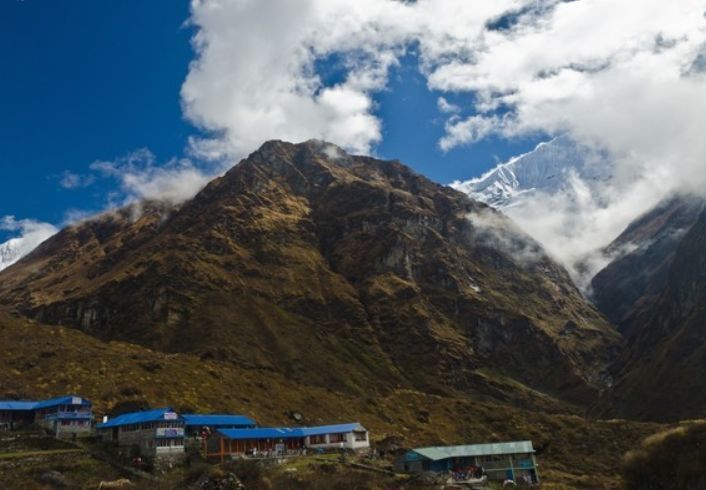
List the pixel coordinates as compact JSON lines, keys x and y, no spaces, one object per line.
{"x":85,"y":80}
{"x":88,"y":80}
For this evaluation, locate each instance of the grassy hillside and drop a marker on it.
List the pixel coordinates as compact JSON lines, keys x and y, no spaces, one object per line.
{"x":42,"y":361}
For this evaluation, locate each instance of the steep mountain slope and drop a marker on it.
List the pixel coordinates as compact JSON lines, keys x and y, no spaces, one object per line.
{"x":643,"y":255}
{"x":549,"y":168}
{"x":336,"y":271}
{"x":661,"y":372}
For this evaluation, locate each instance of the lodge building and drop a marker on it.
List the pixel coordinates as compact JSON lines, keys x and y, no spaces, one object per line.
{"x":498,"y":461}
{"x":152,"y":434}
{"x":160,"y":435}
{"x":65,"y":416}
{"x":16,"y":414}
{"x":281,"y":440}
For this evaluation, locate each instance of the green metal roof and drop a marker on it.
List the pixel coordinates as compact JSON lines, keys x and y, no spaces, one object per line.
{"x":444,"y":452}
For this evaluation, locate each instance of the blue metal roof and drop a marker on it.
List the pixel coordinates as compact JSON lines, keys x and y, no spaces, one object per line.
{"x":34,"y":405}
{"x":155,"y":415}
{"x":197,"y":419}
{"x":62,"y":400}
{"x":288,"y":432}
{"x":262,"y":433}
{"x":19,"y":405}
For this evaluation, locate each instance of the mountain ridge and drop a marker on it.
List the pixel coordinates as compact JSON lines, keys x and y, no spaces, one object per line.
{"x":659,"y":374}
{"x":301,"y":258}
{"x":641,"y":258}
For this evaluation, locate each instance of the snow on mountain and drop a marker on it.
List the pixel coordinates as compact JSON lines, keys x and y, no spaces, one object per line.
{"x":552,"y":167}
{"x":31,"y":233}
{"x":566,"y":196}
{"x":9,"y":253}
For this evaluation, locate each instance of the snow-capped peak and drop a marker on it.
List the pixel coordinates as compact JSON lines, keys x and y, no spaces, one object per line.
{"x":9,"y":253}
{"x":548,"y":169}
{"x":31,"y":232}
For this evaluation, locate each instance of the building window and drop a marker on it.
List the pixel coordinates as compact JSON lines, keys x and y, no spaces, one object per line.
{"x":169,"y":442}
{"x":360,"y":436}
{"x":318,"y":439}
{"x":337,"y":437}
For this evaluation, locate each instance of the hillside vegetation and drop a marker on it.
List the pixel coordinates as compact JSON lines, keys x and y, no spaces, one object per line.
{"x":673,"y":459}
{"x":45,"y":360}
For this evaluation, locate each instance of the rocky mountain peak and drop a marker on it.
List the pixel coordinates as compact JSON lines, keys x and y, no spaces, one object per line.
{"x":335,"y":270}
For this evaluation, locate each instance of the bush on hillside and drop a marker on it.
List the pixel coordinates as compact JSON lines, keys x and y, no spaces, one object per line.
{"x":672,"y":459}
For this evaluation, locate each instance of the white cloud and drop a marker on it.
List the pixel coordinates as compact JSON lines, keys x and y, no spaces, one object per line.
{"x":71,"y":180}
{"x":254,"y":77}
{"x":461,"y":131}
{"x":619,"y":75}
{"x":577,"y":222}
{"x":141,"y":177}
{"x":28,"y":234}
{"x":495,"y":230}
{"x":447,"y":107}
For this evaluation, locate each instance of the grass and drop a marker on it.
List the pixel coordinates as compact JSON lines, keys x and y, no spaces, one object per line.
{"x":41,"y":361}
{"x":29,"y":454}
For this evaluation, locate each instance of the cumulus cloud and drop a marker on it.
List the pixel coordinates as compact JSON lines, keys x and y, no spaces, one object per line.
{"x":254,"y":77}
{"x":141,"y":177}
{"x":624,"y":76}
{"x":461,"y":131}
{"x":27,"y":234}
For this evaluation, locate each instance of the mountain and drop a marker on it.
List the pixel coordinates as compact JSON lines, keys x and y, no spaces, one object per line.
{"x":660,"y":374}
{"x":336,"y":271}
{"x":549,"y":168}
{"x":32,"y":233}
{"x":642,"y":257}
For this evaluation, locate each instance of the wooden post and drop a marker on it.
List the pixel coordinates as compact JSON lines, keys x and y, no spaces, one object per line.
{"x":512,"y":467}
{"x":222,"y":451}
